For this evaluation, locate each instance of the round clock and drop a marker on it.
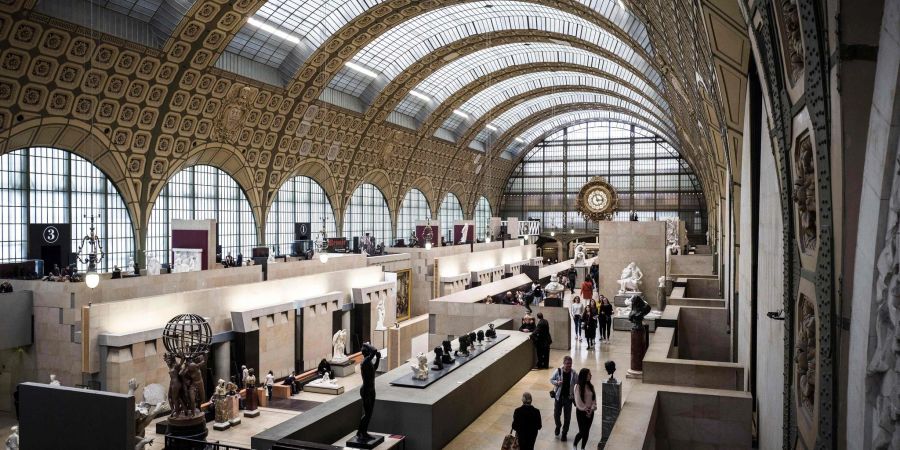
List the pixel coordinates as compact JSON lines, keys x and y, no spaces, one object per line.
{"x":597,"y":200}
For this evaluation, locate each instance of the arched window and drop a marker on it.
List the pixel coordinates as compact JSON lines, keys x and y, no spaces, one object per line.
{"x":203,"y":192}
{"x":649,"y":175}
{"x":482,"y":217}
{"x":300,"y":199}
{"x":47,"y":185}
{"x":413,"y":208}
{"x":450,"y":212}
{"x":368,"y":212}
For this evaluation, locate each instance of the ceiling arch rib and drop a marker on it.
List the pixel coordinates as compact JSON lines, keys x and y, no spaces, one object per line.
{"x":487,"y":99}
{"x":547,"y":103}
{"x":440,"y":85}
{"x":517,"y":141}
{"x":401,"y":46}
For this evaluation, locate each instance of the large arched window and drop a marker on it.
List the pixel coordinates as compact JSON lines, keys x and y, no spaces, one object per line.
{"x":300,"y":199}
{"x":47,"y":185}
{"x":650,"y":176}
{"x":482,"y":217}
{"x":368,"y":212}
{"x":450,"y":212}
{"x":413,"y":208}
{"x":203,"y":192}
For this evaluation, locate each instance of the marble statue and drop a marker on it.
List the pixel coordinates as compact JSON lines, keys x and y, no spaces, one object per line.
{"x":579,"y":255}
{"x":421,"y":369}
{"x":54,"y":381}
{"x":610,"y":367}
{"x":219,"y":401}
{"x":153,"y":265}
{"x":325,"y":381}
{"x":438,"y":359}
{"x":464,"y":235}
{"x":630,"y":281}
{"x":662,"y":281}
{"x":12,"y":442}
{"x":379,"y":325}
{"x":371,"y":359}
{"x":338,"y":342}
{"x":132,"y":386}
{"x":491,"y":333}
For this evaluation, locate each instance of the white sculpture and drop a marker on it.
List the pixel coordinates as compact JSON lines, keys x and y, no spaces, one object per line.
{"x":54,"y":381}
{"x":464,"y":235}
{"x":338,"y":343}
{"x":153,"y":265}
{"x":132,"y":386}
{"x":579,"y":255}
{"x":12,"y":442}
{"x":421,"y":370}
{"x":379,"y":325}
{"x":662,"y":281}
{"x":630,"y":281}
{"x":325,"y":381}
{"x":143,"y":443}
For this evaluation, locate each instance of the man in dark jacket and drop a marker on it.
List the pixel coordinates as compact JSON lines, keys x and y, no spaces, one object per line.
{"x":595,"y":275}
{"x":542,"y":342}
{"x":572,"y":274}
{"x":526,"y":423}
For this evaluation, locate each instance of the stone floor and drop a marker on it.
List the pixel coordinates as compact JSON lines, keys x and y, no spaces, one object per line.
{"x":488,"y":431}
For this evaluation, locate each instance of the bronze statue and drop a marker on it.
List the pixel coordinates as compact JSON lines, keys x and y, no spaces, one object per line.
{"x":438,"y":359}
{"x":367,"y":369}
{"x":639,"y":309}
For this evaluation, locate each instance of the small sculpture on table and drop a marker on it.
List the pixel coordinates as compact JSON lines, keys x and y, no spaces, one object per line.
{"x":420,"y":370}
{"x":472,"y":338}
{"x":463,"y":349}
{"x":630,"y":280}
{"x":480,"y":337}
{"x":447,"y":357}
{"x":12,"y":442}
{"x":491,"y":333}
{"x":367,"y":368}
{"x":338,"y":342}
{"x":438,"y":363}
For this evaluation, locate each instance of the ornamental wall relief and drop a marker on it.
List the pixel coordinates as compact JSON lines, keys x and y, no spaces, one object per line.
{"x":804,"y":196}
{"x":806,"y":359}
{"x":231,"y":117}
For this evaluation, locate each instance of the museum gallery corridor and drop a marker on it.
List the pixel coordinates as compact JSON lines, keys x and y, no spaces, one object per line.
{"x":329,"y":224}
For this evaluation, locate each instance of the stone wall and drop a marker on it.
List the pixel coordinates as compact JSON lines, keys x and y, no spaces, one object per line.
{"x":623,"y":242}
{"x":691,"y":265}
{"x":276,"y":343}
{"x":702,"y":334}
{"x":317,"y":329}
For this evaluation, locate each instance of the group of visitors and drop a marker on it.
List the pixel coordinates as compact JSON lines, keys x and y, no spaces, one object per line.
{"x":590,"y":315}
{"x":569,"y":388}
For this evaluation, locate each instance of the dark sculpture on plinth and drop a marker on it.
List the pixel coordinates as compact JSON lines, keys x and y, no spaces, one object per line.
{"x":639,"y":335}
{"x":610,"y":367}
{"x":448,"y":352}
{"x":463,"y":349}
{"x":186,"y":339}
{"x":480,"y":337}
{"x":472,"y":338}
{"x":367,"y":368}
{"x":438,"y":359}
{"x":491,"y":333}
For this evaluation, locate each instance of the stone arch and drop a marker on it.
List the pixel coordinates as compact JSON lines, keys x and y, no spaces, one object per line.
{"x":380,"y":179}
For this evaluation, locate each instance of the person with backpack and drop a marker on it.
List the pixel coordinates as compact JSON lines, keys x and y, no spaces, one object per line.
{"x":563,"y":393}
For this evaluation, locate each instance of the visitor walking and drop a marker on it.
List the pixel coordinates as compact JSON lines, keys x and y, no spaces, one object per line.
{"x":606,"y":318}
{"x":563,"y":380}
{"x":577,"y":309}
{"x":595,"y":275}
{"x":270,"y":381}
{"x":585,"y":405}
{"x":587,"y":289}
{"x":244,"y":374}
{"x":590,"y":324}
{"x":542,"y":341}
{"x":526,"y":423}
{"x":572,"y":275}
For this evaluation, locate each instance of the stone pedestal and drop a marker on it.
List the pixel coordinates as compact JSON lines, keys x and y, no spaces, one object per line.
{"x":640,"y":337}
{"x":343,"y":368}
{"x":619,"y":299}
{"x":372,"y":442}
{"x":612,"y":404}
{"x":193,"y":429}
{"x":323,"y":389}
{"x":232,"y":404}
{"x":251,"y":403}
{"x":661,"y":298}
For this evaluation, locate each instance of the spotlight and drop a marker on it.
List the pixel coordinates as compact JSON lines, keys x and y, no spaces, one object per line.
{"x":776,"y":315}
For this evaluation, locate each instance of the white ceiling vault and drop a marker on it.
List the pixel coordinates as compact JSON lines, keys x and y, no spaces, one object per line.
{"x":486,"y":78}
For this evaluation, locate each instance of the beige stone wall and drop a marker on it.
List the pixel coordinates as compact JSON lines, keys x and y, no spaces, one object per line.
{"x":620,"y":243}
{"x":282,"y":270}
{"x":400,"y":339}
{"x":702,"y":334}
{"x":317,"y":322}
{"x":276,"y":343}
{"x":687,"y":265}
{"x":142,"y":361}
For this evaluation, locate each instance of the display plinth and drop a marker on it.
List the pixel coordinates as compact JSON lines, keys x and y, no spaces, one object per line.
{"x":619,"y":299}
{"x":322,"y":389}
{"x":621,"y":323}
{"x":373,"y":441}
{"x":193,"y":429}
{"x":343,"y":368}
{"x":612,"y":405}
{"x":388,"y":441}
{"x":221,"y":426}
{"x":640,"y":337}
{"x":251,"y":414}
{"x":411,"y":381}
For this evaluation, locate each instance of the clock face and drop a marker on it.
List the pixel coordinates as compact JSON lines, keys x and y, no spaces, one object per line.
{"x":598,"y":200}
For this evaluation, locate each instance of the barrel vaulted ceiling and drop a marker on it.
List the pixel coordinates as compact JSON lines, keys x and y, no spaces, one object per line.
{"x":444,"y":96}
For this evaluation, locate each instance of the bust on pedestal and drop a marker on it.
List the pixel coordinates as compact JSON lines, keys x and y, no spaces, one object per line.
{"x":251,"y":402}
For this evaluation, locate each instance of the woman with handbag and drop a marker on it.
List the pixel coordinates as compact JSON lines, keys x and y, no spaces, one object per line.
{"x":590,"y":324}
{"x":585,"y":405}
{"x":526,"y":423}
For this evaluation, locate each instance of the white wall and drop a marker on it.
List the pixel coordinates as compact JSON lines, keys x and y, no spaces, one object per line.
{"x":745,"y":263}
{"x":770,"y":333}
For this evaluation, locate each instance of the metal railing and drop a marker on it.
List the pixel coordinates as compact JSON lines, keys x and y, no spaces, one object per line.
{"x":179,"y":443}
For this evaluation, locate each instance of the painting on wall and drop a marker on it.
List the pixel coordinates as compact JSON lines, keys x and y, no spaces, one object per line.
{"x":404,"y":292}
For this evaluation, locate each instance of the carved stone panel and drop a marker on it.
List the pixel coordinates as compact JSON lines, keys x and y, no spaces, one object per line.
{"x":804,"y":195}
{"x":791,"y":42}
{"x":806,"y":369}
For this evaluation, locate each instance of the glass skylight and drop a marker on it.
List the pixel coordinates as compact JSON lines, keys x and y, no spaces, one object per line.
{"x":403,"y":45}
{"x":482,"y":102}
{"x":452,"y":77}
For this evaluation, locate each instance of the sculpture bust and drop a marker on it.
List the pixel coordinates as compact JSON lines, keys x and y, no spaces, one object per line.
{"x":463,"y":346}
{"x":662,"y":281}
{"x":54,"y":381}
{"x":630,"y":280}
{"x":448,"y":352}
{"x":491,"y":333}
{"x":639,"y":309}
{"x":472,"y":338}
{"x":438,"y":359}
{"x":610,"y":367}
{"x":480,"y":337}
{"x":132,"y":386}
{"x":338,"y":342}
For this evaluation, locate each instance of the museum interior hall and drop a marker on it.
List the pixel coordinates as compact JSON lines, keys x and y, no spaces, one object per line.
{"x":428,"y":224}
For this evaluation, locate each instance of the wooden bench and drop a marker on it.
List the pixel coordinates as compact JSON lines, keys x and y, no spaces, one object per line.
{"x":281,"y":391}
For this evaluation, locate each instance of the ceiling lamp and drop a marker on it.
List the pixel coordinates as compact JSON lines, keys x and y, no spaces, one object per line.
{"x":272,"y":30}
